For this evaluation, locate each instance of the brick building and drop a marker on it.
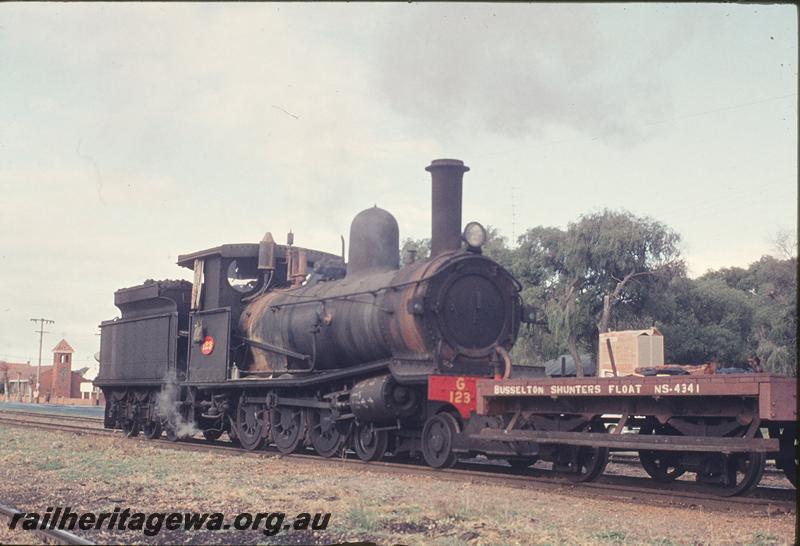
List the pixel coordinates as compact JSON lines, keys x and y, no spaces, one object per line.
{"x":57,"y":380}
{"x":17,"y":380}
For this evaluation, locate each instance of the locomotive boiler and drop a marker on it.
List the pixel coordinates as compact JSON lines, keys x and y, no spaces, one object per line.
{"x":456,"y":309}
{"x":280,"y":344}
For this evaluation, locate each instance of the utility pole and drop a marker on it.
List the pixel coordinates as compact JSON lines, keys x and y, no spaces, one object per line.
{"x":41,"y":332}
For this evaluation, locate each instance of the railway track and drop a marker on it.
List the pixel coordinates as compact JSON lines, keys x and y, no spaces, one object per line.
{"x":54,"y":536}
{"x":42,"y":414}
{"x":633,"y":460}
{"x":621,"y":458}
{"x":56,"y":422}
{"x":763,"y":500}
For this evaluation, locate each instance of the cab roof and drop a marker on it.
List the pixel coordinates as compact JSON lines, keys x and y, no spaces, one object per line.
{"x":250,"y":250}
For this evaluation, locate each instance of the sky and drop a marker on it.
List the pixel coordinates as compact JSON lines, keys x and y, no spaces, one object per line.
{"x":132,"y":133}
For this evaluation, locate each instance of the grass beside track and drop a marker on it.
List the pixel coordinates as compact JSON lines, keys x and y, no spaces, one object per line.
{"x":101,"y":473}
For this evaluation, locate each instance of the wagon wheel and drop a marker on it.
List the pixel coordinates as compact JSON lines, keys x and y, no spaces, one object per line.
{"x":152,"y":430}
{"x":523,"y":461}
{"x":212,"y":434}
{"x":288,"y":428}
{"x":171,"y":431}
{"x":788,"y":459}
{"x":589,"y":462}
{"x":437,"y":440}
{"x":114,"y":408}
{"x":130,"y":427}
{"x":736,"y":473}
{"x":370,"y":444}
{"x":662,"y":466}
{"x":325,"y":434}
{"x":252,"y":425}
{"x":172,"y":426}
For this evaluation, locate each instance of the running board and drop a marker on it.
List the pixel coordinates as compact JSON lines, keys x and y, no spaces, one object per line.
{"x":632,"y":441}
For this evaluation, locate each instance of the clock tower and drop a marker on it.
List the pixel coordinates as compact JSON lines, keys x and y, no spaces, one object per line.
{"x":62,"y":370}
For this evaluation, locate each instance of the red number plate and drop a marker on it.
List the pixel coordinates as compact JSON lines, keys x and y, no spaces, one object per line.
{"x":457,"y":390}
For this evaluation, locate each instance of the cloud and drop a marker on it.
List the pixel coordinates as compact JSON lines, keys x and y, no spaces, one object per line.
{"x":131,"y":133}
{"x":519,"y":70}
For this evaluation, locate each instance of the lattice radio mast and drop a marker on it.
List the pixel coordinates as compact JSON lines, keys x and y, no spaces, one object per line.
{"x":513,"y":218}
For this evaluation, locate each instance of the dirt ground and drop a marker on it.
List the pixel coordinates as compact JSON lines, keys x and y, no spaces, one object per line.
{"x":40,"y":469}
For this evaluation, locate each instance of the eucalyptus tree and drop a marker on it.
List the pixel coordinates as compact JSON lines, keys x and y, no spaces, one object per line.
{"x":579,"y":276}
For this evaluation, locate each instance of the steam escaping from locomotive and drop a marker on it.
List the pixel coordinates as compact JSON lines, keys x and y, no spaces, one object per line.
{"x":167,"y":410}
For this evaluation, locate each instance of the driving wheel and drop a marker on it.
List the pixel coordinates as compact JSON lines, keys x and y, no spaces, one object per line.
{"x":325,"y":434}
{"x":370,"y":444}
{"x":130,"y":428}
{"x":252,"y":425}
{"x":437,"y":440}
{"x":288,"y":428}
{"x":152,"y":430}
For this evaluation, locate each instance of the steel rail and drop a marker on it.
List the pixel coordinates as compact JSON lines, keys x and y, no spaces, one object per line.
{"x":58,"y":426}
{"x":49,"y":414}
{"x":48,"y":535}
{"x":621,"y":458}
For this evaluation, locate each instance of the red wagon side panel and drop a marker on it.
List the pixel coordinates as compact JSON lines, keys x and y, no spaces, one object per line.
{"x":776,"y":396}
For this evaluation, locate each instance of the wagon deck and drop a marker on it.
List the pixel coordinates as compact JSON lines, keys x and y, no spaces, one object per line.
{"x":776,"y":395}
{"x":705,"y":405}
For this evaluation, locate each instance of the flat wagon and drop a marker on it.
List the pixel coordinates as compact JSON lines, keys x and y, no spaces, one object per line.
{"x":723,"y":428}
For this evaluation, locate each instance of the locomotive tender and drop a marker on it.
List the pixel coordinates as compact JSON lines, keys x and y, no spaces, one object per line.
{"x":279,"y":344}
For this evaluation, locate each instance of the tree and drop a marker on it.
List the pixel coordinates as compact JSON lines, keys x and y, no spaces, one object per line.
{"x":601,"y":262}
{"x":420,"y":249}
{"x":770,"y":286}
{"x":707,"y":320}
{"x":784,"y":243}
{"x":775,"y":323}
{"x":496,"y":247}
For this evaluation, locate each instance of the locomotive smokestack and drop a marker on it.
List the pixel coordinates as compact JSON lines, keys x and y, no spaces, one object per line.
{"x":446,"y":179}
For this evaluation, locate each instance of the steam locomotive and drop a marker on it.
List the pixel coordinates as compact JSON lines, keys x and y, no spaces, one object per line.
{"x":277,"y":344}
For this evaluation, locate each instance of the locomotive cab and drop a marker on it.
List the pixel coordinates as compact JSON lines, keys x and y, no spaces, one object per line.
{"x":226,"y":279}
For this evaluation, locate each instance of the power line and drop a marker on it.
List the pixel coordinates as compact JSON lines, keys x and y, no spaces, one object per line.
{"x":723,"y":109}
{"x":29,"y":358}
